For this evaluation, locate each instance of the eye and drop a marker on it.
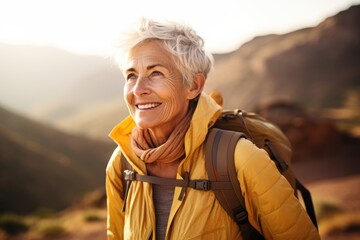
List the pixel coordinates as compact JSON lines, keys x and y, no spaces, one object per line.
{"x":131,"y":76}
{"x":156,"y":74}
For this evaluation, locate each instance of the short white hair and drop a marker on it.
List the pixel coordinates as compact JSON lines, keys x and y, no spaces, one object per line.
{"x":180,"y":40}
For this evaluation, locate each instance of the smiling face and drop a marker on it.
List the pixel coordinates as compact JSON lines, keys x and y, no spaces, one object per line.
{"x":154,"y":90}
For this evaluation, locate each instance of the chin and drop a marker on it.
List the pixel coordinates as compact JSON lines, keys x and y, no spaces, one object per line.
{"x":143,"y":124}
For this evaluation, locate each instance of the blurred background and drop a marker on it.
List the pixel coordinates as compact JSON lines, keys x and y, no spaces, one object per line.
{"x":297,"y":63}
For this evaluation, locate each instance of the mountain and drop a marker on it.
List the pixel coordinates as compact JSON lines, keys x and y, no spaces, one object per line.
{"x":318,"y":67}
{"x":320,"y":150}
{"x":43,"y":167}
{"x":58,"y":87}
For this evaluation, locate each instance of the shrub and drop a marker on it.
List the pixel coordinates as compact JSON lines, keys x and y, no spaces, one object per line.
{"x":325,"y":209}
{"x":91,"y":217}
{"x":53,"y":230}
{"x":12,"y":224}
{"x":44,"y":213}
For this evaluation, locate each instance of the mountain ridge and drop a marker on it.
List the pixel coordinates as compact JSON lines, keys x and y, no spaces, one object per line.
{"x":43,"y":167}
{"x":315,"y":66}
{"x":294,"y":65}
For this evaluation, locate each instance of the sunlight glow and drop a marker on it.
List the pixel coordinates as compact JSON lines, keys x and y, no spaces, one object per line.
{"x":92,"y":27}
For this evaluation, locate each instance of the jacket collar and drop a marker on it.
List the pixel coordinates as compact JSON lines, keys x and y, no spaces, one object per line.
{"x":206,"y":113}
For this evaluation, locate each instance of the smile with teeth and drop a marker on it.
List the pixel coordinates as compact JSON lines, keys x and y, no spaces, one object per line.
{"x":147,"y":106}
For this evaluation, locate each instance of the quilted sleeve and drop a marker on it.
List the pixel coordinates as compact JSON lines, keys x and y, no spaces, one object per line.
{"x":272,"y":207}
{"x":114,"y":191}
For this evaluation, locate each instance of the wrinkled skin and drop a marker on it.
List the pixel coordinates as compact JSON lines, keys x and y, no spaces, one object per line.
{"x":154,"y":90}
{"x":156,"y":95}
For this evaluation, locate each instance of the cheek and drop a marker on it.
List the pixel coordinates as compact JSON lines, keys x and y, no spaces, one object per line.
{"x":128,"y":97}
{"x":126,"y":92}
{"x":176,"y":102}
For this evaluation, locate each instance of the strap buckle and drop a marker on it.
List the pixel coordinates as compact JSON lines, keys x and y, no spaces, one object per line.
{"x":241,"y":216}
{"x":204,"y":185}
{"x":129,"y":175}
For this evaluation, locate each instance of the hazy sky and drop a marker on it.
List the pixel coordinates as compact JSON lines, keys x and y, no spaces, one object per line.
{"x":92,"y":26}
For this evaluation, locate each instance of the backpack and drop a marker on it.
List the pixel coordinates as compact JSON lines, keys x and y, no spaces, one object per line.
{"x":219,"y":161}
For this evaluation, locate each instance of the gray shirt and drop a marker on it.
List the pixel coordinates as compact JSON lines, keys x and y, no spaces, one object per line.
{"x":163,"y":196}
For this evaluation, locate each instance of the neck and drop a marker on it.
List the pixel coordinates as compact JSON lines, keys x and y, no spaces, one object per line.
{"x":169,"y":148}
{"x":161,"y":134}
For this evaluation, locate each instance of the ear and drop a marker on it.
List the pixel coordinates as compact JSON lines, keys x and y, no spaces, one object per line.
{"x":197,"y":86}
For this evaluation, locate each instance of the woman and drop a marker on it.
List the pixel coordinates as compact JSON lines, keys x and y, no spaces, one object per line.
{"x":165,"y":72}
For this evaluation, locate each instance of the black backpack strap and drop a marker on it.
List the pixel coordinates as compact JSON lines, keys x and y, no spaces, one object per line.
{"x":220,"y":166}
{"x":306,"y":196}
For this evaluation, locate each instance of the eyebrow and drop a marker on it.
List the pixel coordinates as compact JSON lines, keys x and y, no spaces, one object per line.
{"x":155,"y":65}
{"x":147,"y":68}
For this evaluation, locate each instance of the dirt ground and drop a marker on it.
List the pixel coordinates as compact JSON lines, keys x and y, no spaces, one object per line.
{"x":345,"y":193}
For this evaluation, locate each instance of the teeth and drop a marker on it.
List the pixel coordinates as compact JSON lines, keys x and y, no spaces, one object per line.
{"x":147,"y":106}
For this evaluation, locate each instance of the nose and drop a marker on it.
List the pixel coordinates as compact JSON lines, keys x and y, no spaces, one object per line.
{"x":142,"y":86}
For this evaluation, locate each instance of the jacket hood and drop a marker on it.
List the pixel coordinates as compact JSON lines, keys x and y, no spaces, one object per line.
{"x":206,"y":113}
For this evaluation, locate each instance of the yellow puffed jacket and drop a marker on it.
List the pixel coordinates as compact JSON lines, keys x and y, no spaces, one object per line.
{"x":269,"y":199}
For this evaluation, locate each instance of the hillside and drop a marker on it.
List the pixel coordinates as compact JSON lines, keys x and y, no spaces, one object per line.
{"x":318,"y":67}
{"x":321,"y":150}
{"x":31,"y":77}
{"x":59,"y":88}
{"x":43,"y":167}
{"x":303,"y":81}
